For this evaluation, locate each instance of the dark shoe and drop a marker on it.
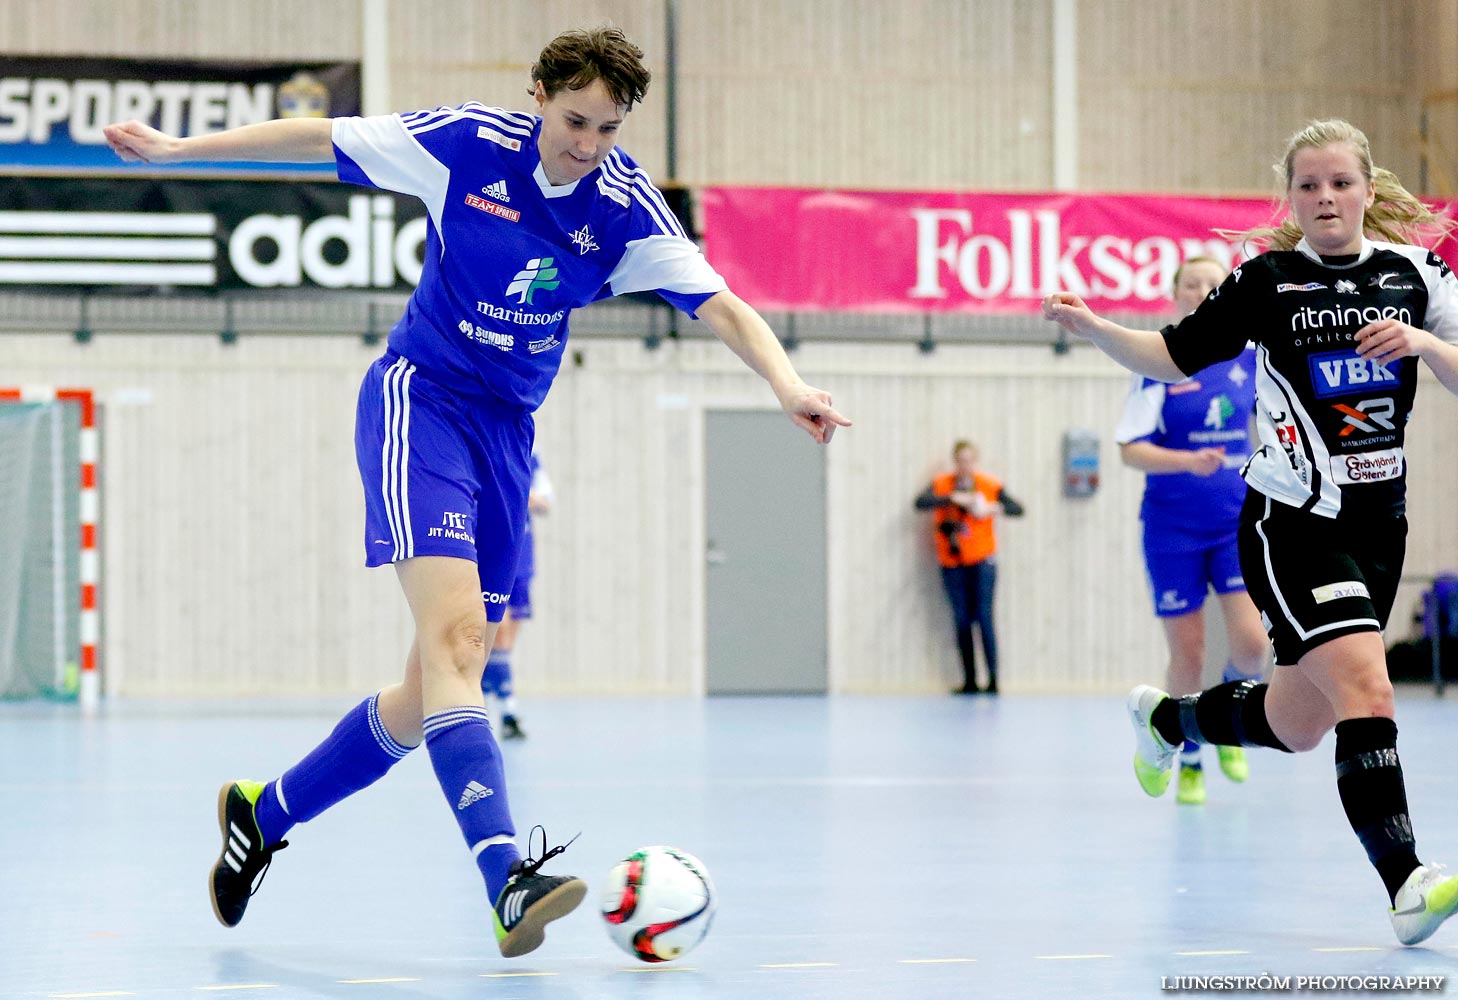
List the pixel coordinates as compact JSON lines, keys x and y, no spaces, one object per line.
{"x":241,"y":866}
{"x":530,"y":901}
{"x":511,"y":728}
{"x":967,"y":689}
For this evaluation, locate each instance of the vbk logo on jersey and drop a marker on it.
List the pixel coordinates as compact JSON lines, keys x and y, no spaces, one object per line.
{"x":1341,"y":373}
{"x":537,"y":274}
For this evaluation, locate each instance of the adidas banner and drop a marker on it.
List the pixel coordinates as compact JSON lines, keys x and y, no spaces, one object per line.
{"x":136,"y":233}
{"x":52,"y":109}
{"x":918,"y":252}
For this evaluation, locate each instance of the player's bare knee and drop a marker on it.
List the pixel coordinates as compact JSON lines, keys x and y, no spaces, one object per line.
{"x":1369,"y":694}
{"x":460,"y":645}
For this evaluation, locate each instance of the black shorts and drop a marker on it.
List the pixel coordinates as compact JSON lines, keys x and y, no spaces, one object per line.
{"x":1315,"y":578}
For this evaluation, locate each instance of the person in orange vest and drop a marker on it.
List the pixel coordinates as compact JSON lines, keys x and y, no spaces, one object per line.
{"x":964,"y":503}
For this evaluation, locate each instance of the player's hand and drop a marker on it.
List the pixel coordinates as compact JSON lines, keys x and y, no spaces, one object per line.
{"x":1390,"y":339}
{"x":1207,"y":461}
{"x":136,"y":141}
{"x":1069,"y":312}
{"x":980,"y":508}
{"x":810,"y":409}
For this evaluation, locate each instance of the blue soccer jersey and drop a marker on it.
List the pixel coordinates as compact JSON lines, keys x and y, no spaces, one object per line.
{"x":1210,"y":410}
{"x":508,"y":255}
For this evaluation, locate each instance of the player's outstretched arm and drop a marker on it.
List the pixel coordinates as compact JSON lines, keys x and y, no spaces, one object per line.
{"x":1141,"y":351}
{"x":284,"y":140}
{"x":744,"y":330}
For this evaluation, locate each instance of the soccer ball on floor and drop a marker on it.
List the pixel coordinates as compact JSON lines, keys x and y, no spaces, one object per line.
{"x":658,"y":903}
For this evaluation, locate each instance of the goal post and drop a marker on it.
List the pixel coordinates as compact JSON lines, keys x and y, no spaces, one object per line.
{"x":49,"y":565}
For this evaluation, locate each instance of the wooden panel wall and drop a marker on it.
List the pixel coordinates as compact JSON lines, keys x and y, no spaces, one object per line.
{"x":232,"y":524}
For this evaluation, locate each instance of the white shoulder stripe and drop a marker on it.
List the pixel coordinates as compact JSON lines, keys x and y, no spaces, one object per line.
{"x":426,"y":121}
{"x":612,"y":191}
{"x":643,"y":190}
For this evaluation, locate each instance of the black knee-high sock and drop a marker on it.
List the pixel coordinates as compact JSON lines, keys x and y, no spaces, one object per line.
{"x":1228,"y":715}
{"x":1369,"y":781}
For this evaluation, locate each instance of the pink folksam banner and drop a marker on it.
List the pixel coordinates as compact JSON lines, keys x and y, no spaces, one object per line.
{"x":802,"y":250}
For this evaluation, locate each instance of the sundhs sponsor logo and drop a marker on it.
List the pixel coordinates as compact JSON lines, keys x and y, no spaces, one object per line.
{"x":1037,"y":259}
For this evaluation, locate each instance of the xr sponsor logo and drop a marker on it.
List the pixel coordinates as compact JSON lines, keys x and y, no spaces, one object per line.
{"x":537,"y":275}
{"x":1370,"y":416}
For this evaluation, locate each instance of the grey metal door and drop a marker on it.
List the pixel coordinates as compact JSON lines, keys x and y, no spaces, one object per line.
{"x":765,"y":560}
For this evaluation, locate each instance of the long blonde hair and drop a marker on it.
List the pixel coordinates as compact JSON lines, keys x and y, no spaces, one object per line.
{"x":1396,"y":215}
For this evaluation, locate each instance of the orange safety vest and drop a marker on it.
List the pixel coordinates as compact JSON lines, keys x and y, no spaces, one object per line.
{"x":975,"y":540}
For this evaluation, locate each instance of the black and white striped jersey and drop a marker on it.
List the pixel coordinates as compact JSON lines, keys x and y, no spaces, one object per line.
{"x":1331,"y":423}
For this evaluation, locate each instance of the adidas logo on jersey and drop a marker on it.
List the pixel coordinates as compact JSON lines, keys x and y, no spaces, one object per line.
{"x":474,"y":792}
{"x":497,"y":191}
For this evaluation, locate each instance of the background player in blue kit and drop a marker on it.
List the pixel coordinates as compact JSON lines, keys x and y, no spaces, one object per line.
{"x":530,"y":217}
{"x":1191,"y":438}
{"x":497,"y":678}
{"x":1339,"y":321}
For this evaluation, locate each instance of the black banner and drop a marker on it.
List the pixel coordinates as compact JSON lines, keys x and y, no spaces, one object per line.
{"x":124,"y":233}
{"x":52,"y":109}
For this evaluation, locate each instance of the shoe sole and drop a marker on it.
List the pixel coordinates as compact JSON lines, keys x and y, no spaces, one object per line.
{"x":528,"y":935}
{"x":223,"y":828}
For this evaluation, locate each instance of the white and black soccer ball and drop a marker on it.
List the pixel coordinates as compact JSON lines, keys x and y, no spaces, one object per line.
{"x":658,"y":903}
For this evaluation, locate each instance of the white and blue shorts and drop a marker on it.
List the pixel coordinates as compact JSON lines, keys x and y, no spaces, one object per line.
{"x":443,"y":476}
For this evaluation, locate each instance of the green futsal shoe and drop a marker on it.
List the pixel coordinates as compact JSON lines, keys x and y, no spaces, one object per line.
{"x":1426,"y":899}
{"x":1153,"y":757}
{"x":1191,"y":790}
{"x":240,"y":868}
{"x":529,"y":901}
{"x":1233,"y":763}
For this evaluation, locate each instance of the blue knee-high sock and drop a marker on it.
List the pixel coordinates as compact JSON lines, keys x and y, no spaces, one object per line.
{"x":497,"y":677}
{"x":468,"y":766}
{"x":355,"y":755}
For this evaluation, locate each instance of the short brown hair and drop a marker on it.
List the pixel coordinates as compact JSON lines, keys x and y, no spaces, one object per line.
{"x":574,"y":59}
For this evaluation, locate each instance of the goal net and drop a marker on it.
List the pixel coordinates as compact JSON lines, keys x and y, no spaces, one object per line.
{"x":40,"y":550}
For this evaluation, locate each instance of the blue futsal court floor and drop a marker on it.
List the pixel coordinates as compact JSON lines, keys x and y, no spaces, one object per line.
{"x":861,"y":847}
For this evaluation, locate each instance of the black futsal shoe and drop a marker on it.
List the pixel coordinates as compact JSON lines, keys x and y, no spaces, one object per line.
{"x":531,"y":900}
{"x":244,"y":859}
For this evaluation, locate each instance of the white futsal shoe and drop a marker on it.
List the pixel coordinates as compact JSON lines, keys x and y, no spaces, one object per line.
{"x":1153,"y":757}
{"x":1426,"y":899}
